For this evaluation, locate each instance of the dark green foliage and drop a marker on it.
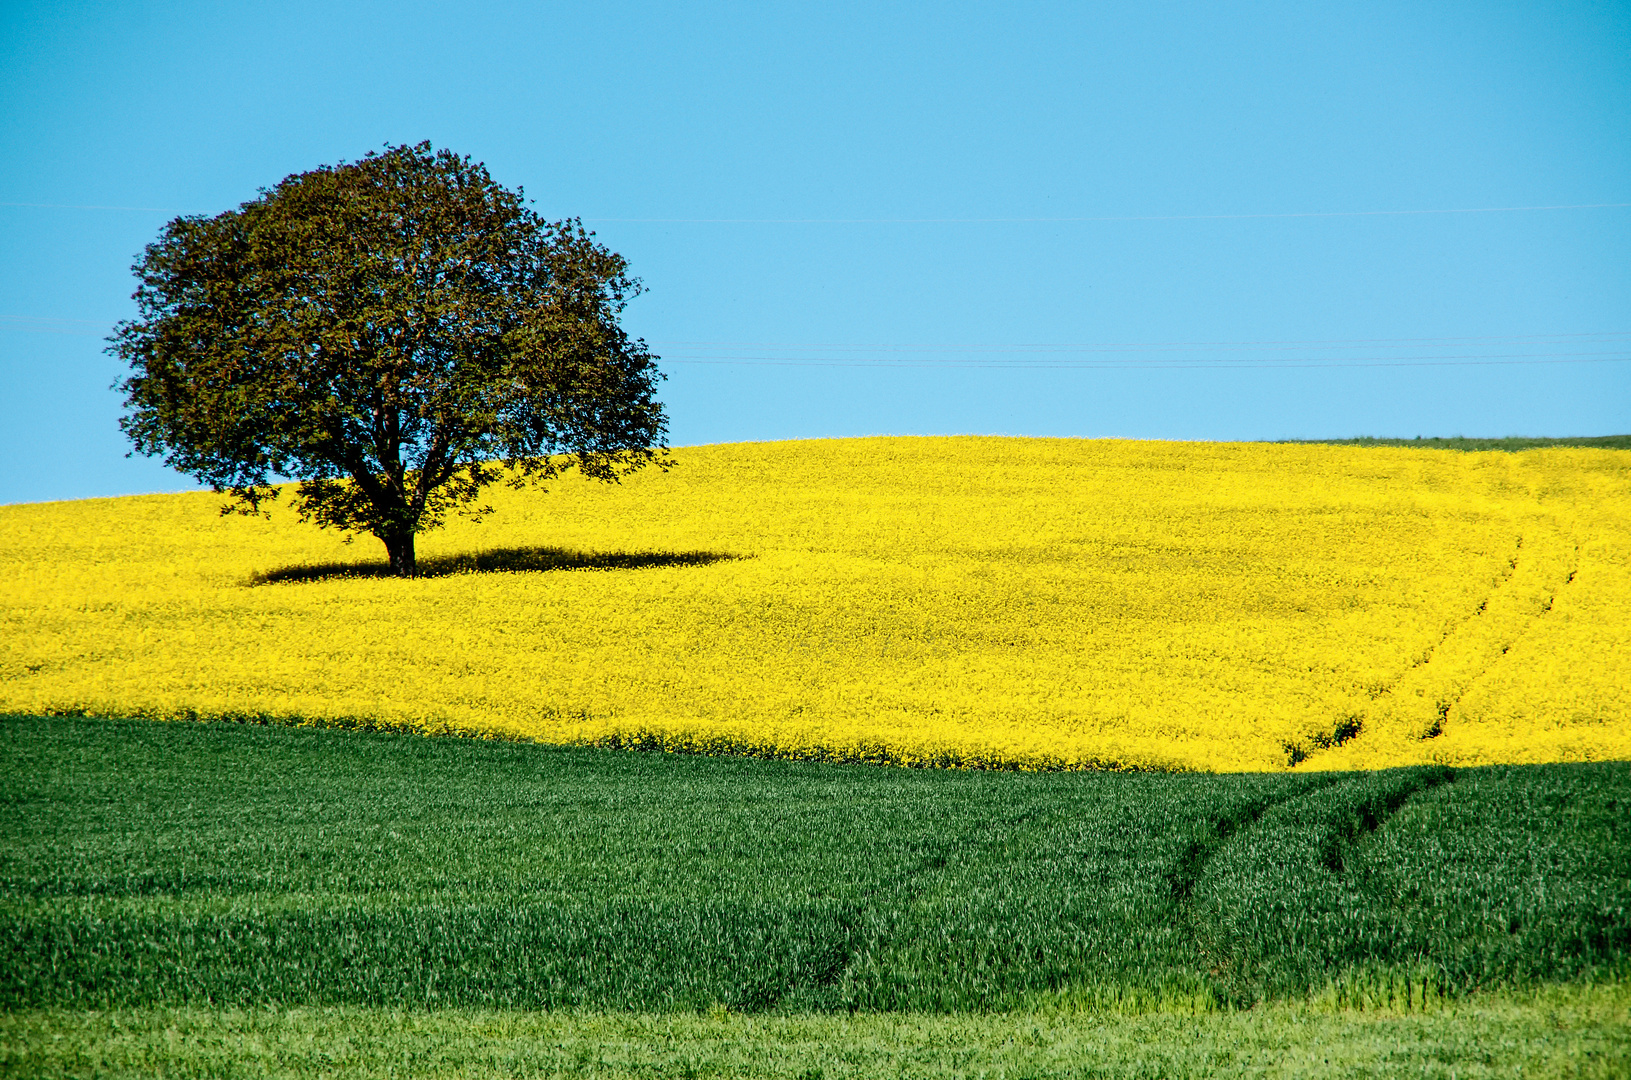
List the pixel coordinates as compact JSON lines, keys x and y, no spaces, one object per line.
{"x":146,"y":863}
{"x":1511,"y":444}
{"x":385,"y":331}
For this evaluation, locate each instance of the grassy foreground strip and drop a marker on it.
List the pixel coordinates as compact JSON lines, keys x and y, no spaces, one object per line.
{"x":1559,"y":1032}
{"x":147,"y":864}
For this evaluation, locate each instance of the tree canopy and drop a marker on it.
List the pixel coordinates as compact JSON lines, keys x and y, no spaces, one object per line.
{"x":394,"y":334}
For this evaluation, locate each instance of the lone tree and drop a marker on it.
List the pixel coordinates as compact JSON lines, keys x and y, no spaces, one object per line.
{"x":389,"y":333}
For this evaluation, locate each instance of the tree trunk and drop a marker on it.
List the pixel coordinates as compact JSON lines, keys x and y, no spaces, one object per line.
{"x":399,"y":546}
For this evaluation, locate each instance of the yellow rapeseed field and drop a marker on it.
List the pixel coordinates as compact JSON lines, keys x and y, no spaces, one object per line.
{"x":977,"y":601}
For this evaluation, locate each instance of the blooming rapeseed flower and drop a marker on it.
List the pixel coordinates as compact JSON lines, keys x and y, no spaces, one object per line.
{"x":1026,"y":603}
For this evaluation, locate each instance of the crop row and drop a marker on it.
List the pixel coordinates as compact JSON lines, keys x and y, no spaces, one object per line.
{"x":219,"y":864}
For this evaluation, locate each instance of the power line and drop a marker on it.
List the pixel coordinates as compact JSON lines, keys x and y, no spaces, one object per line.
{"x":1135,"y":359}
{"x":1125,"y":355}
{"x":1101,"y":218}
{"x":1160,"y":346}
{"x":1168,"y":365}
{"x":79,"y":206}
{"x":35,"y":324}
{"x":1603,"y":346}
{"x":967,"y":220}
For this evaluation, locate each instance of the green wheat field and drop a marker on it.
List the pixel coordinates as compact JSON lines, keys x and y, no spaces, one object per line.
{"x":232,"y":900}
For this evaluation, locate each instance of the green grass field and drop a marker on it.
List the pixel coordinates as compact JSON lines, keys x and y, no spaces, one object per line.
{"x":216,"y":877}
{"x":1559,"y":1032}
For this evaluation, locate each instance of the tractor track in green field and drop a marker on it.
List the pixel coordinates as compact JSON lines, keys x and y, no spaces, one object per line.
{"x":896,"y":896}
{"x":1192,"y":863}
{"x":1373,"y":813}
{"x":147,"y":865}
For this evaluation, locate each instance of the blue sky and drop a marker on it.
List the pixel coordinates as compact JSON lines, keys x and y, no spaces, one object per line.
{"x":1146,"y":220}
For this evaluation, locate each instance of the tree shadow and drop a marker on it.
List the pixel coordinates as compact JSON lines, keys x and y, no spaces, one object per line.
{"x":498,"y":561}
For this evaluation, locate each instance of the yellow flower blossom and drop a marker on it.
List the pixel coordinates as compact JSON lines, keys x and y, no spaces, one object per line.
{"x":1015,"y":603}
